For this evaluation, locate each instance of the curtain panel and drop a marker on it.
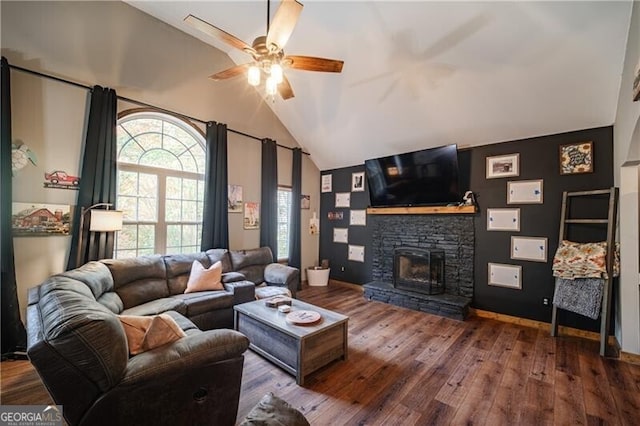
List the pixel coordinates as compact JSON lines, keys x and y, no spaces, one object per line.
{"x":13,"y":333}
{"x":295,"y":220}
{"x":98,"y":177}
{"x":215,"y":226}
{"x":269,"y":197}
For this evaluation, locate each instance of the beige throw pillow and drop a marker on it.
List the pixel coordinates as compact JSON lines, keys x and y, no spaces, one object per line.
{"x":146,"y":333}
{"x":202,"y":279}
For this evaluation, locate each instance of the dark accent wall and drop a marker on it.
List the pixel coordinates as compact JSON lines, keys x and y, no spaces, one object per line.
{"x":452,"y":233}
{"x":337,"y":253}
{"x":538,"y":160}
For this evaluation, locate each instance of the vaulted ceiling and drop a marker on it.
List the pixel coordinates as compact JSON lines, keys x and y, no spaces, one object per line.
{"x":426,"y":74}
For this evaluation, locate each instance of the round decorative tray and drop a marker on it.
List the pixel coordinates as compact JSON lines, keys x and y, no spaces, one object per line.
{"x":303,"y":317}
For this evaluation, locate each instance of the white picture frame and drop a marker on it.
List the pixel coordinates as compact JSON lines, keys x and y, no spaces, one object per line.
{"x":341,"y":235}
{"x":358,"y":218}
{"x":503,"y":166}
{"x":356,"y":253}
{"x":529,"y":248}
{"x":503,"y":275}
{"x":357,"y":182}
{"x":234,"y":198}
{"x":325,"y":185}
{"x":343,"y":199}
{"x":525,"y":192}
{"x":503,"y":220}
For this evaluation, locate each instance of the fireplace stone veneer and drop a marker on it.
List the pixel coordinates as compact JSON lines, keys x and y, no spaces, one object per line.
{"x":454,"y":234}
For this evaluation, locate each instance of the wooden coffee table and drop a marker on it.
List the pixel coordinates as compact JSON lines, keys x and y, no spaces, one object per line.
{"x":298,"y":349}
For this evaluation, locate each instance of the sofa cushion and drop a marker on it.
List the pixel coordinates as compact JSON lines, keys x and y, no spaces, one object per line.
{"x":179,"y":269}
{"x":157,"y":306}
{"x":185,"y":323}
{"x":204,"y":301}
{"x":139,"y":280}
{"x":94,"y":275}
{"x":221,"y":255}
{"x":146,"y":333}
{"x":202,"y":279}
{"x":111,"y":301}
{"x":241,"y":259}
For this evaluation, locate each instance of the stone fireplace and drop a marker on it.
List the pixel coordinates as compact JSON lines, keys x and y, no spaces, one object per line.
{"x":449,"y":239}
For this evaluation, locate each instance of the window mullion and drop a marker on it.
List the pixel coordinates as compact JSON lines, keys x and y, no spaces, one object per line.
{"x":161,"y":225}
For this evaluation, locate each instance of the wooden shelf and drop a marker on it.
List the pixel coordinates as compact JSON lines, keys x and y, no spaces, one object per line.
{"x":423,"y":210}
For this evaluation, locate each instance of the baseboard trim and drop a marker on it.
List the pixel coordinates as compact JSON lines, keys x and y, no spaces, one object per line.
{"x":541,"y":325}
{"x":630,"y":358}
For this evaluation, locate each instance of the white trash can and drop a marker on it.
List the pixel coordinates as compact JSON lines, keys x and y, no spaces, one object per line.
{"x":318,"y":277}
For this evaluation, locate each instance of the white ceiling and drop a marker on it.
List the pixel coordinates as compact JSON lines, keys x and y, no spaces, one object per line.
{"x":426,"y":74}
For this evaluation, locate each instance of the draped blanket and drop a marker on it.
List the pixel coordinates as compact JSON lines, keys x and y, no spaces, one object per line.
{"x":581,"y":295}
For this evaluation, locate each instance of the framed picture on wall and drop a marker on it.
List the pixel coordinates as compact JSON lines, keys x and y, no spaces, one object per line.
{"x":358,"y":218}
{"x":502,"y":275}
{"x":234,"y":198}
{"x":305,"y":202}
{"x":636,"y":83}
{"x":251,"y":215}
{"x":576,"y":158}
{"x":357,"y":182}
{"x":325,"y":185}
{"x":41,"y":220}
{"x":356,"y":253}
{"x":343,"y":199}
{"x":503,"y":219}
{"x":341,"y":235}
{"x":529,"y":248}
{"x":524,"y":192}
{"x":503,"y":166}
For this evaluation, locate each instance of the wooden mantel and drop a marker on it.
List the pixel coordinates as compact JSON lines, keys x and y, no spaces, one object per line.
{"x":423,"y":210}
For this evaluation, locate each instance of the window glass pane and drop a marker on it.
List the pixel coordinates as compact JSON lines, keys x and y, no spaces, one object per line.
{"x":148,"y":185}
{"x":127,"y":183}
{"x":173,"y":145}
{"x":124,"y":254}
{"x":129,"y":207}
{"x":131,"y":152}
{"x":174,"y":187}
{"x":199,"y":211}
{"x":147,"y":210}
{"x":160,"y":158}
{"x":188,"y":162}
{"x":172,"y":210}
{"x":142,"y":252}
{"x":141,"y":125}
{"x":284,"y":207}
{"x":189,"y":234}
{"x":173,"y":236}
{"x":176,"y":132}
{"x":149,"y":141}
{"x":189,"y":189}
{"x":127,"y":238}
{"x":146,"y":234}
{"x":189,"y":211}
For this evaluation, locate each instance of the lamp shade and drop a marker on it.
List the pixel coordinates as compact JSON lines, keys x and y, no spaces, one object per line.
{"x":105,"y":220}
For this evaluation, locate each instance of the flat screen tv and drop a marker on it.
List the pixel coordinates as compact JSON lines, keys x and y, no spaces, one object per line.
{"x":420,"y":178}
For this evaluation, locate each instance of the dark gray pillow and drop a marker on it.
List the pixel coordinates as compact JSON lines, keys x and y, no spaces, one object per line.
{"x":273,"y":411}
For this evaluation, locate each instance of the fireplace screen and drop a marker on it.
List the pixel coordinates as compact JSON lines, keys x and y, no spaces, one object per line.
{"x":419,"y":270}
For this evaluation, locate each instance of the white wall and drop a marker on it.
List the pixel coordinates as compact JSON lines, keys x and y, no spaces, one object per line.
{"x":626,"y":145}
{"x":115,"y":45}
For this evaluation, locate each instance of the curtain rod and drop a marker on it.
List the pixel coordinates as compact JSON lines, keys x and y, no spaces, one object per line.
{"x":122,"y":98}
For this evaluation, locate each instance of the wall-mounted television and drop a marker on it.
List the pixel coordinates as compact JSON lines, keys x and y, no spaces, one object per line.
{"x":419,"y":178}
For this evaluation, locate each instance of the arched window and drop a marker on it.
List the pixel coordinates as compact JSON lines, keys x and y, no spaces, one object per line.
{"x":161,"y":164}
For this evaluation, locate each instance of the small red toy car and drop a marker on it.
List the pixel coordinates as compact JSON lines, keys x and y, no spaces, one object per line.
{"x":62,"y":178}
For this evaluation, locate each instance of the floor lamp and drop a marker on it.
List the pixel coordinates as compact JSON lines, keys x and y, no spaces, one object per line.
{"x":102,"y":220}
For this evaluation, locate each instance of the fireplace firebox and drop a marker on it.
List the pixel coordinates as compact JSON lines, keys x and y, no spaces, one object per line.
{"x":418,"y":269}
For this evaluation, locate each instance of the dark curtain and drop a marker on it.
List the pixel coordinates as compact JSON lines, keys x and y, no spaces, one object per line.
{"x":215,"y":226}
{"x":13,"y":334}
{"x":98,"y":178}
{"x":294,"y":221}
{"x":269,"y":197}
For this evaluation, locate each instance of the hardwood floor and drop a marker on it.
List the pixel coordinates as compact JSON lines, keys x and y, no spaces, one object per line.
{"x":411,"y":368}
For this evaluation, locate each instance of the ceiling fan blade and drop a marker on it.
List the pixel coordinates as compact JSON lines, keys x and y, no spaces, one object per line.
{"x":284,"y":88}
{"x":216,"y":32}
{"x":310,"y":63}
{"x":230,"y":72}
{"x":283,"y":24}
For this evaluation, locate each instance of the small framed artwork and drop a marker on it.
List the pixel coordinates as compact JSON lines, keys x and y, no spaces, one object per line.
{"x":636,"y":83}
{"x":341,"y":235}
{"x":335,"y":215}
{"x":343,"y":199}
{"x":503,"y":166}
{"x":251,"y":215}
{"x":503,"y":219}
{"x":357,"y":182}
{"x":576,"y":158}
{"x":356,"y":253}
{"x":234,"y":198}
{"x":358,"y":218}
{"x":524,"y":192}
{"x":40,"y":220}
{"x":529,"y":248}
{"x":502,"y":275}
{"x":325,"y":185}
{"x":305,"y":202}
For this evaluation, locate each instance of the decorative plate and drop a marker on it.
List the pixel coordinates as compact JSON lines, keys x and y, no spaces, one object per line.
{"x":303,"y":317}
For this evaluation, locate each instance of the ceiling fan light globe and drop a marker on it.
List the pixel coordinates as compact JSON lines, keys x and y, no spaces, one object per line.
{"x":253,"y":75}
{"x":271,"y":86}
{"x":276,"y":73}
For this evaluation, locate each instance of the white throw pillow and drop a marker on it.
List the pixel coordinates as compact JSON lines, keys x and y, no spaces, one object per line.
{"x":202,"y":279}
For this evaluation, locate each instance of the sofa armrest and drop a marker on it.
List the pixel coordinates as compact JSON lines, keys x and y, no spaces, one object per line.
{"x":243,"y":291}
{"x":282,"y":276}
{"x":197,"y":351}
{"x":232,"y":277}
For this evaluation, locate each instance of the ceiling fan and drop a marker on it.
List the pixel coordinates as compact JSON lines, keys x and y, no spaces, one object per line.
{"x":267,"y":51}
